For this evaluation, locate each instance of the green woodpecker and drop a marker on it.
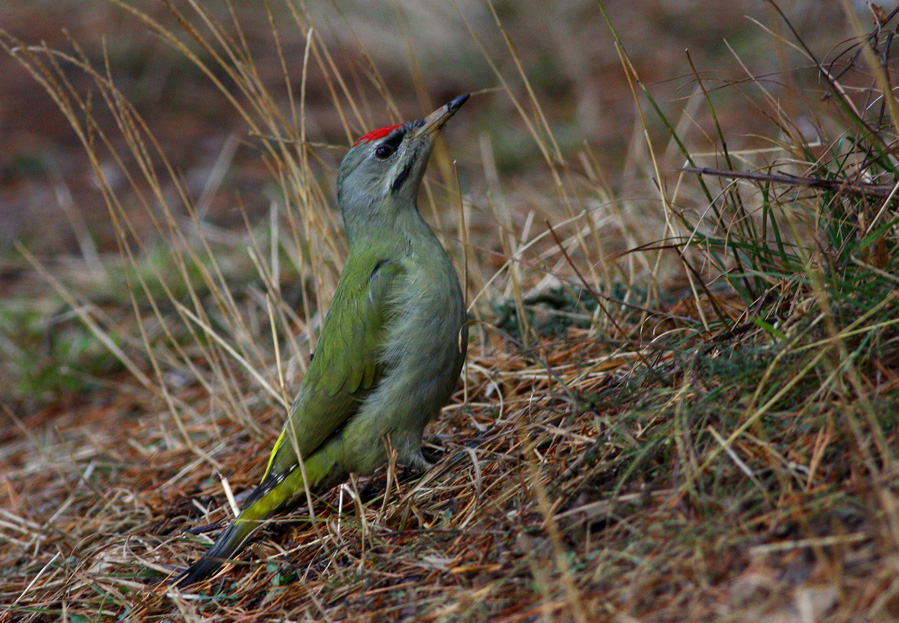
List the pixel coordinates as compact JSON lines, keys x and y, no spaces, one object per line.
{"x":391,"y":347}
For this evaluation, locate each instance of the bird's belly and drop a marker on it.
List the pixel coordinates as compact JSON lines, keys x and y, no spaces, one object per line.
{"x":424,"y":360}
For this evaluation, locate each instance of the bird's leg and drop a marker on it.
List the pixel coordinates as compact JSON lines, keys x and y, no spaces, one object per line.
{"x":417,"y":461}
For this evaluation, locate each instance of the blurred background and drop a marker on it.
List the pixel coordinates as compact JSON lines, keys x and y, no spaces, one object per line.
{"x":425,"y":52}
{"x":555,"y":128}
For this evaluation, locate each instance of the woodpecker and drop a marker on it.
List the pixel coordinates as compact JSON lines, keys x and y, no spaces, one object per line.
{"x":391,"y":347}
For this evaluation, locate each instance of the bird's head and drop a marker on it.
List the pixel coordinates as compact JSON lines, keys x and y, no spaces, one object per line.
{"x":381,"y":173}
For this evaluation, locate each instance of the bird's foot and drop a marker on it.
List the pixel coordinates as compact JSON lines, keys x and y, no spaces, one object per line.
{"x":417,"y":462}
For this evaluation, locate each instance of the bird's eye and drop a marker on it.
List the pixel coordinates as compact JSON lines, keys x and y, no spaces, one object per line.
{"x":383,"y":152}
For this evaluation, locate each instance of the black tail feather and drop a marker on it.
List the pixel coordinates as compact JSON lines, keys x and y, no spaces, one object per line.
{"x":229,"y":543}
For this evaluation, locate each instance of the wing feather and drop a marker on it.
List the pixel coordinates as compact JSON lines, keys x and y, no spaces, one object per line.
{"x":347,"y":363}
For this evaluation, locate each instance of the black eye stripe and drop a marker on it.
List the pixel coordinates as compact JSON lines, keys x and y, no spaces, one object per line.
{"x":394,"y":139}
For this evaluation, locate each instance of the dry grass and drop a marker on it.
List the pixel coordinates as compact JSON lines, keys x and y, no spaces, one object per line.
{"x":675,"y":408}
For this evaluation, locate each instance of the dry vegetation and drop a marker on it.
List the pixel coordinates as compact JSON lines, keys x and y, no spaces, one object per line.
{"x":681,"y":395}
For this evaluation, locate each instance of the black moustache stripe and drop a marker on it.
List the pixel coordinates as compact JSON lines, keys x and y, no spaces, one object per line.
{"x":401,"y":178}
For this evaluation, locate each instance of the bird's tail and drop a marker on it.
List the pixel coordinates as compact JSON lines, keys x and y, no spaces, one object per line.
{"x":274,"y":493}
{"x":229,"y":543}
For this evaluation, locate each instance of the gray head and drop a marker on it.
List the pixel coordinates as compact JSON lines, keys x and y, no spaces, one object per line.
{"x":380,"y":175}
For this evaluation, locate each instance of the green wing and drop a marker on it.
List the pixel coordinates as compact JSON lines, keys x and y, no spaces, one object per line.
{"x":346,"y":365}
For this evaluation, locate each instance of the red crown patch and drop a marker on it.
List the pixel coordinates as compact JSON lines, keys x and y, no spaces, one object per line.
{"x":376,"y":134}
